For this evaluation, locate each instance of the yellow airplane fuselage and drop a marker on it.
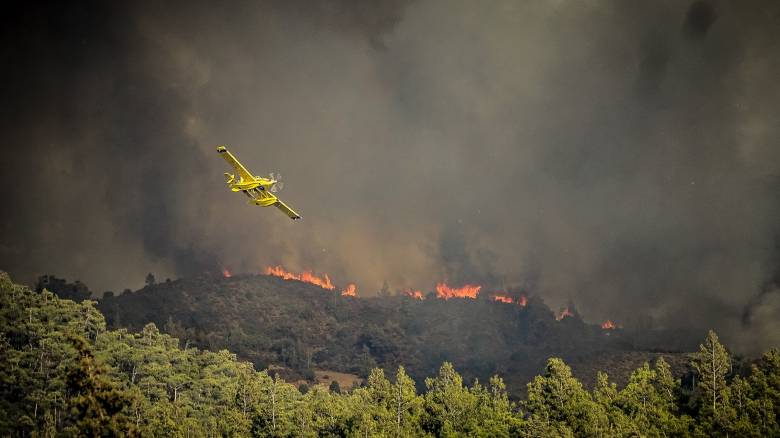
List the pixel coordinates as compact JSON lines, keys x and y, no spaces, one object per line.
{"x":255,"y":187}
{"x":259,"y":182}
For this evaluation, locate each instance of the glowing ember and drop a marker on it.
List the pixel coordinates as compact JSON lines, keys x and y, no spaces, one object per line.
{"x":565,"y":313}
{"x":609,"y":325}
{"x":306,"y":277}
{"x":350,"y":291}
{"x":467,"y":291}
{"x":503,"y":299}
{"x":522,"y":301}
{"x":226,"y":273}
{"x":416,"y":294}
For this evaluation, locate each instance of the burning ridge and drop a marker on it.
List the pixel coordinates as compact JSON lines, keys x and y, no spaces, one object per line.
{"x":443,"y":291}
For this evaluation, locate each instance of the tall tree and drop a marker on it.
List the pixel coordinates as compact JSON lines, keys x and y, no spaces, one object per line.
{"x":496,"y":413}
{"x":558,"y":400}
{"x":712,"y":364}
{"x":667,"y":386}
{"x":668,"y":389}
{"x":765,"y":391}
{"x":406,"y":405}
{"x":99,"y":406}
{"x":449,"y":405}
{"x":742,"y":409}
{"x":606,"y":394}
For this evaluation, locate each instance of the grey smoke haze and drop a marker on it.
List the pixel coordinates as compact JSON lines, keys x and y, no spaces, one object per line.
{"x":621,"y":155}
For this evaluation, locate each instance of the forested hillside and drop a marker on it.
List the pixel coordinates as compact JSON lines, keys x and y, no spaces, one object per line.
{"x":300,"y":327}
{"x":65,"y":374}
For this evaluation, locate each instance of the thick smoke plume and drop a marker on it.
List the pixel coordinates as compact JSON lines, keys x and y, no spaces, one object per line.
{"x":624,"y":156}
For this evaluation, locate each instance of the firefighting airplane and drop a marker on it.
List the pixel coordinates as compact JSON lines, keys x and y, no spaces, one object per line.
{"x":256,"y":187}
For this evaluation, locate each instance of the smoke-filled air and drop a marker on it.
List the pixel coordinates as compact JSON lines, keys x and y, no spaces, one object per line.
{"x":620,"y":158}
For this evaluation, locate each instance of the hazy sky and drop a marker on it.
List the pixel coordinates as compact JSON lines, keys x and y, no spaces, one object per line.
{"x":621,"y":155}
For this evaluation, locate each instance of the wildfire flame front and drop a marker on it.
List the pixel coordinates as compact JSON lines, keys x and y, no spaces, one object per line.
{"x":416,"y":294}
{"x":306,"y":277}
{"x":609,"y":325}
{"x":467,"y":291}
{"x":349,"y":291}
{"x":503,"y":299}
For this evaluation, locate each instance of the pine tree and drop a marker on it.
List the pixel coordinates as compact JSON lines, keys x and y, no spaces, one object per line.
{"x":606,"y":395}
{"x":99,"y":406}
{"x":558,"y":399}
{"x":449,"y":405}
{"x":742,"y":409}
{"x":668,"y":388}
{"x":276,"y":411}
{"x":765,"y":392}
{"x":712,"y":364}
{"x":494,"y":412}
{"x":406,"y":404}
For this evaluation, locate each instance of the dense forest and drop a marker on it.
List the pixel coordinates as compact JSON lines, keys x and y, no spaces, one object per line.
{"x":65,"y":374}
{"x":300,"y":327}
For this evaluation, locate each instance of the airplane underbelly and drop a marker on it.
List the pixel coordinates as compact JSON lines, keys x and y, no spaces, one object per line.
{"x":264,"y":202}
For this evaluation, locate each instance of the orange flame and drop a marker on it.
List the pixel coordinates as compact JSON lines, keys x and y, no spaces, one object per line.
{"x":565,"y":313}
{"x":306,"y":277}
{"x":467,"y":291}
{"x":609,"y":325}
{"x":350,"y":291}
{"x":502,"y":298}
{"x":226,"y":273}
{"x":416,"y":294}
{"x":522,"y":301}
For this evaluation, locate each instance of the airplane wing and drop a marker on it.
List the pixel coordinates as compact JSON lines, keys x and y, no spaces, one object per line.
{"x":286,"y":209}
{"x":245,"y":175}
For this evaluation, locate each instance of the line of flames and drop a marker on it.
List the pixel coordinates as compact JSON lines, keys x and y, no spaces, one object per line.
{"x":468,"y":291}
{"x":349,"y":291}
{"x":443,"y":291}
{"x":306,"y":277}
{"x":309,"y":277}
{"x":416,"y":294}
{"x":521,"y":301}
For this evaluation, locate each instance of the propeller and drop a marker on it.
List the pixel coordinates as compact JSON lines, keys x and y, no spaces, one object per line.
{"x":279,"y":185}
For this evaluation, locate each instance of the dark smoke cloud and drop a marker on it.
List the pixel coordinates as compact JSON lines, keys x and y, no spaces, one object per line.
{"x":622,"y":156}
